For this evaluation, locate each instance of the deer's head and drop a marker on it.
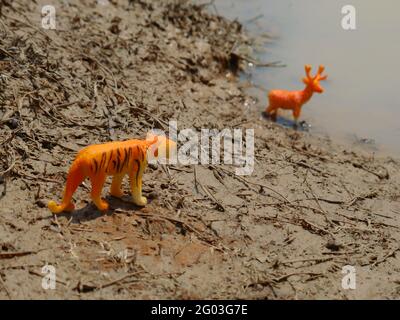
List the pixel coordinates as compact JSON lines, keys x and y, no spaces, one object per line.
{"x":313,"y":82}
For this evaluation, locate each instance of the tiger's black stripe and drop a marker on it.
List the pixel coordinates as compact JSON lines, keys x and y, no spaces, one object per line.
{"x":139,"y":153}
{"x":137,"y":173}
{"x":109,"y":160}
{"x":96,"y":165}
{"x":103,"y":158}
{"x":125,"y":159}
{"x":118,"y":160}
{"x":129,"y":156}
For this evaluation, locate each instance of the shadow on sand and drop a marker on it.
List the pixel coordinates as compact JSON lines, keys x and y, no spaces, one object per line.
{"x":287,"y":123}
{"x":90,"y":212}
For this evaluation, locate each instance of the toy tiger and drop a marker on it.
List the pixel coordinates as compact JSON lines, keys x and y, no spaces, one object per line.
{"x":112,"y":159}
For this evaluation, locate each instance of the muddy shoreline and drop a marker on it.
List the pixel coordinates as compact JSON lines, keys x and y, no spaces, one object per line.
{"x":310,"y":207}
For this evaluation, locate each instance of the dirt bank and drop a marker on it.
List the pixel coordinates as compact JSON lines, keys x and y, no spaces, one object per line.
{"x":114,"y":71}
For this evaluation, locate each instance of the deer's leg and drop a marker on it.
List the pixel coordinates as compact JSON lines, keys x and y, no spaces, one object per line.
{"x":97,"y":186}
{"x":296,"y":115}
{"x":272,"y":111}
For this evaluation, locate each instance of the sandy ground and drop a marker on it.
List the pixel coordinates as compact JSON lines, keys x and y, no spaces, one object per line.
{"x":112,"y":72}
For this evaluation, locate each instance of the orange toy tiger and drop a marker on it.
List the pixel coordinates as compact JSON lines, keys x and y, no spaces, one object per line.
{"x":294,"y":100}
{"x":111,"y":159}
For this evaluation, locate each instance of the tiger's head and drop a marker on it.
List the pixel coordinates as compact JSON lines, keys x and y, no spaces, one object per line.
{"x":161,"y":149}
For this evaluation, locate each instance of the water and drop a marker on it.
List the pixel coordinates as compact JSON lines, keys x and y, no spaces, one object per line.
{"x":361,"y":99}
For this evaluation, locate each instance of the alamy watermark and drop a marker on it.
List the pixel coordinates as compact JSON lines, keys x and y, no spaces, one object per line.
{"x":49,"y":17}
{"x":210,"y":146}
{"x":348,"y":21}
{"x":349,"y":17}
{"x":349,"y":278}
{"x":49,"y":278}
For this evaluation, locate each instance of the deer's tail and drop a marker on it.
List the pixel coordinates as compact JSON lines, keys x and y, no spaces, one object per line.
{"x":75,"y":177}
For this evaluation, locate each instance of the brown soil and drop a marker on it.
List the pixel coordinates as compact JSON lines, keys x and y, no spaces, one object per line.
{"x":114,"y":72}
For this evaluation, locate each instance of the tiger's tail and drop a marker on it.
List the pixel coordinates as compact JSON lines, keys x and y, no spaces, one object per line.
{"x":75,"y":177}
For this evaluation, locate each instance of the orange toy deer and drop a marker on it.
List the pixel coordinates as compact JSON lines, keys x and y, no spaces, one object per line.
{"x":294,"y":100}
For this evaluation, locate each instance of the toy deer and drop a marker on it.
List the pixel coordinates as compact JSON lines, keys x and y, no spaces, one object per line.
{"x":294,"y":100}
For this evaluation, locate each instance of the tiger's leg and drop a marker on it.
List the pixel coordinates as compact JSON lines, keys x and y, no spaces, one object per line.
{"x":135,"y":178}
{"x":74,"y":179}
{"x":97,"y":186}
{"x":115,"y":190}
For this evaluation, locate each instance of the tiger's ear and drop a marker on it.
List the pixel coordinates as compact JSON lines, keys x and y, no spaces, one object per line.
{"x":155,"y":139}
{"x":151,"y":139}
{"x":152,"y":143}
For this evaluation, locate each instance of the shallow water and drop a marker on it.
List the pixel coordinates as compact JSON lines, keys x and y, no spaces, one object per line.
{"x":361,"y":100}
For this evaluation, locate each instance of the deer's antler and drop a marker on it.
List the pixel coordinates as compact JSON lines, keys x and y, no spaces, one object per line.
{"x":318,"y":75}
{"x":308,"y":70}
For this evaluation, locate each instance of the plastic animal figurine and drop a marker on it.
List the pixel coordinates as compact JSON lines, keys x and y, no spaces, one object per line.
{"x":294,"y":100}
{"x":115,"y":159}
